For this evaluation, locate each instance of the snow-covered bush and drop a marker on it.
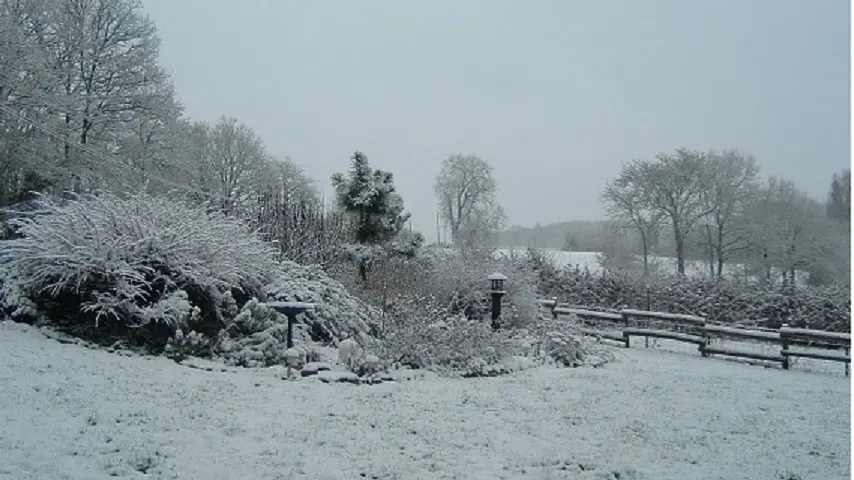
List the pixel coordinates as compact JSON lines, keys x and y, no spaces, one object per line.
{"x":131,"y":268}
{"x":192,"y":344}
{"x":14,"y":304}
{"x":257,"y":335}
{"x":564,"y":349}
{"x":418,"y":335}
{"x":337,"y":315}
{"x":724,"y":301}
{"x":459,"y":282}
{"x":563,"y":343}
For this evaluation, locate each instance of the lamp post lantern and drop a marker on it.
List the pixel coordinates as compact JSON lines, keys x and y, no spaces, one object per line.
{"x":291,"y":310}
{"x":496,"y":289}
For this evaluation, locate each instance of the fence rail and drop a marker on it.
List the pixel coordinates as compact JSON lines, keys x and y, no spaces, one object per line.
{"x":696,"y":330}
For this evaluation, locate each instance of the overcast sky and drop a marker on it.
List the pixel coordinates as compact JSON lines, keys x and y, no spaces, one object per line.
{"x":555,"y":94}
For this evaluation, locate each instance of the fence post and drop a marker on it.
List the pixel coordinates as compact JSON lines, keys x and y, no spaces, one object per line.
{"x":554,"y":307}
{"x":707,"y":341}
{"x":626,"y":337}
{"x":784,"y":341}
{"x":847,"y":365}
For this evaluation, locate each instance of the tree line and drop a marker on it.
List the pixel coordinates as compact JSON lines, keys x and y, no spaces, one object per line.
{"x":716,"y":203}
{"x":85,"y":106}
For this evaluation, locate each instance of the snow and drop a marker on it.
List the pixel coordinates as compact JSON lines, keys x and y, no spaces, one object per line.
{"x":291,"y":305}
{"x":588,"y":260}
{"x":589,"y":313}
{"x":693,"y":319}
{"x":69,"y":412}
{"x":742,"y":333}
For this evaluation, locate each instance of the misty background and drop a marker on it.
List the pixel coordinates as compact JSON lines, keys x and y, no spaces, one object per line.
{"x":554,"y":95}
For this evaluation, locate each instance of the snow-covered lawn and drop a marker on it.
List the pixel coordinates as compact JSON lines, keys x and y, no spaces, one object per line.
{"x":68,"y":412}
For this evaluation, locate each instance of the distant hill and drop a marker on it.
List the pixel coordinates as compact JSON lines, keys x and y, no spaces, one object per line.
{"x":578,"y":236}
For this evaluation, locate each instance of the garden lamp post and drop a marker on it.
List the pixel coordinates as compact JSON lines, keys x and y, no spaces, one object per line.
{"x":496,"y":289}
{"x":291,"y":310}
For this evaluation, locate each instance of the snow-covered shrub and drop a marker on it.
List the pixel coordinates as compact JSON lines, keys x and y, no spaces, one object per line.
{"x":192,"y":344}
{"x":337,"y":315}
{"x":14,"y":304}
{"x":419,"y":336}
{"x":459,"y":282}
{"x":257,"y":335}
{"x":563,"y":343}
{"x":724,"y":301}
{"x":132,"y":267}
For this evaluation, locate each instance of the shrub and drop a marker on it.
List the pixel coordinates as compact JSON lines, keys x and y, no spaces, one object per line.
{"x":257,"y":335}
{"x":419,"y":335}
{"x":725,"y":301}
{"x":458,"y":282}
{"x":132,"y":267}
{"x":337,"y":315}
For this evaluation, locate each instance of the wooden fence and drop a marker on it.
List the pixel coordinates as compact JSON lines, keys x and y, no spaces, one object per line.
{"x":621,"y":325}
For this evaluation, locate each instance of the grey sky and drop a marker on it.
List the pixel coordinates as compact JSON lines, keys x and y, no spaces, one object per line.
{"x":555,"y":94}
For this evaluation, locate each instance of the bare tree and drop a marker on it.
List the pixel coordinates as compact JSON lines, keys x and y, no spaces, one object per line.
{"x":290,"y":212}
{"x":81,"y":76}
{"x":466,"y":192}
{"x":787,"y":231}
{"x":236,"y":163}
{"x":676,"y":185}
{"x":28,"y":95}
{"x":730,"y":179}
{"x":105,"y":53}
{"x":629,"y":203}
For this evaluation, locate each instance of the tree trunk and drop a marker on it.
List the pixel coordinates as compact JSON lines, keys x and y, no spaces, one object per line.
{"x":720,"y":249}
{"x":710,"y":250}
{"x":679,"y":238}
{"x":645,"y":248}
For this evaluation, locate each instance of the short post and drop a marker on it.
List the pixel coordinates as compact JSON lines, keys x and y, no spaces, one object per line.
{"x":554,"y":308}
{"x":784,"y":342}
{"x":291,"y":310}
{"x":496,"y":284}
{"x":847,"y":351}
{"x":707,"y":341}
{"x":626,"y":323}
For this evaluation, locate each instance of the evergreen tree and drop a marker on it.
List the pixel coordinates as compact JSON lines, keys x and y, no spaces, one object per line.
{"x":370,"y":197}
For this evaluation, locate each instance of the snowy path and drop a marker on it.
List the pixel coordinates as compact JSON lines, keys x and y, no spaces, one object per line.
{"x":67,"y":412}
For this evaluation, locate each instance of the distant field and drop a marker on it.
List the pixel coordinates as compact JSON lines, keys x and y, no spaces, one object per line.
{"x":693,"y":268}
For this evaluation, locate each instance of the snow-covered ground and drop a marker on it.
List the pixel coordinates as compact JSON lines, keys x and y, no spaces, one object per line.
{"x":69,"y":412}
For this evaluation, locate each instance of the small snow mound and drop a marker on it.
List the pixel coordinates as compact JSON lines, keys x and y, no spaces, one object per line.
{"x":313,"y":368}
{"x":338,"y":377}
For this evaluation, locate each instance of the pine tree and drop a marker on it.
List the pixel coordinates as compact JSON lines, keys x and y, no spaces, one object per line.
{"x":370,"y":196}
{"x":371,"y":200}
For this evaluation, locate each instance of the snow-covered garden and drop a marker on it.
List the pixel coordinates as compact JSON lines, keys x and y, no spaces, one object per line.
{"x":152,"y":352}
{"x":79,"y":413}
{"x":146,"y":257}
